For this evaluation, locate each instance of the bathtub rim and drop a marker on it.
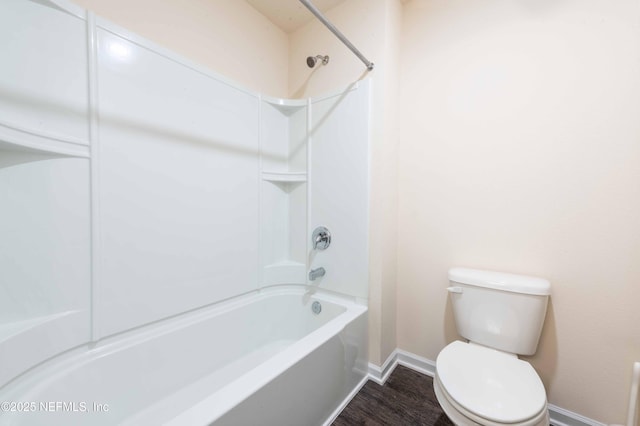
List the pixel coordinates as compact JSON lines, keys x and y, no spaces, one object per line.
{"x":206,"y":412}
{"x":27,"y":385}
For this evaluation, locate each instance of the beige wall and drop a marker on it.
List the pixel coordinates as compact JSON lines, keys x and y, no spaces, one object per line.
{"x":228,"y":36}
{"x":520,"y":152}
{"x":374,"y":27}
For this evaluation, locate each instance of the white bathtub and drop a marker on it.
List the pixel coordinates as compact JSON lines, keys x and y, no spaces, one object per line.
{"x":263,"y":359}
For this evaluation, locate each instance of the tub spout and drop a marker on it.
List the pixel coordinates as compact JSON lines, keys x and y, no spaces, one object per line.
{"x":316,"y":273}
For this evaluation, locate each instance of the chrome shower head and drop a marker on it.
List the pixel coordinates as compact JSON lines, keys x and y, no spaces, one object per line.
{"x":312,"y":60}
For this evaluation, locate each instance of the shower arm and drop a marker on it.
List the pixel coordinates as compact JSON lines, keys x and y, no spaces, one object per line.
{"x":337,"y":32}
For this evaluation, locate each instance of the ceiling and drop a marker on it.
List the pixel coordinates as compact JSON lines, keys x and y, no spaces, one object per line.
{"x":290,"y":14}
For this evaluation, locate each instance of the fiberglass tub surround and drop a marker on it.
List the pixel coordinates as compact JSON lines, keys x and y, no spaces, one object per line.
{"x":139,"y":190}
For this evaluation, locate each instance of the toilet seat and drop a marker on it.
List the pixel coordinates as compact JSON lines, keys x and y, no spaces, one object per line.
{"x":461,"y":417}
{"x":489,"y":386}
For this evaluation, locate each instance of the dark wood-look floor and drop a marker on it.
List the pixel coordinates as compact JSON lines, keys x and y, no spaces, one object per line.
{"x":407,"y":398}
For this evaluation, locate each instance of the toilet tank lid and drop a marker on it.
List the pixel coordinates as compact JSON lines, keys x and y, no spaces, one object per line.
{"x":501,"y":281}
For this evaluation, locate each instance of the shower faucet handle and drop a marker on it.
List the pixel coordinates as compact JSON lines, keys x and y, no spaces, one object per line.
{"x":321,"y":238}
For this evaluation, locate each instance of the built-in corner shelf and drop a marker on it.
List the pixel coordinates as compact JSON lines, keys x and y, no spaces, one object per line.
{"x":286,"y":272}
{"x":284,"y":177}
{"x":283,"y":191}
{"x":285,"y":106}
{"x":24,"y":343}
{"x":21,"y":141}
{"x":11,"y":329}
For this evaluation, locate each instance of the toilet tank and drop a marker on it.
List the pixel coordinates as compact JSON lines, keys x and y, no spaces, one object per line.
{"x":499,"y":310}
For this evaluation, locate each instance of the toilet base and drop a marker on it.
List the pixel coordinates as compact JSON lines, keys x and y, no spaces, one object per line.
{"x":460,"y":419}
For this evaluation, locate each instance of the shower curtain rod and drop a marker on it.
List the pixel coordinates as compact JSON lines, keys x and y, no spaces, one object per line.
{"x":337,"y":32}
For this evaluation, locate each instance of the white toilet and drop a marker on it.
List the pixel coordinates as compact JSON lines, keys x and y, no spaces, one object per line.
{"x":483,"y":382}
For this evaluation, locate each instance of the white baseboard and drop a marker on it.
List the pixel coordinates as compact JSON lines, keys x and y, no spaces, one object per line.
{"x":381,"y":374}
{"x":561,"y":417}
{"x":558,"y":416}
{"x":404,"y":358}
{"x":417,"y":363}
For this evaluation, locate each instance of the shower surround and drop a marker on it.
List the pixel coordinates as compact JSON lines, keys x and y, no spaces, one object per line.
{"x":147,"y":202}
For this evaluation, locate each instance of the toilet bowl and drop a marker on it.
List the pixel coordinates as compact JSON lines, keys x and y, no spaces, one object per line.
{"x":482,"y":381}
{"x":476,"y":385}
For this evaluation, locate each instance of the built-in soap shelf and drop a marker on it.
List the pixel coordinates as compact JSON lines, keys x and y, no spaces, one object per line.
{"x":284,"y":177}
{"x":14,"y":328}
{"x":24,"y":343}
{"x":285,"y":272}
{"x":18,"y":140}
{"x":285,"y":106}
